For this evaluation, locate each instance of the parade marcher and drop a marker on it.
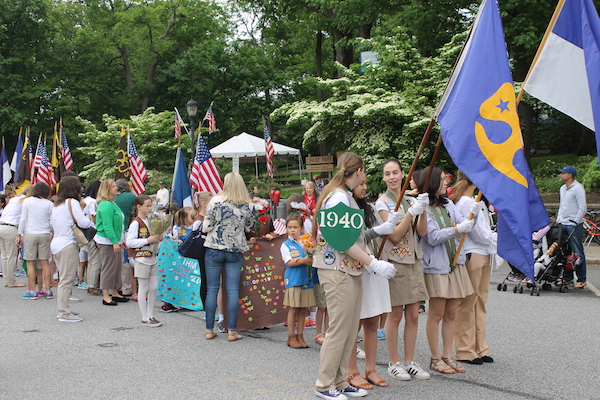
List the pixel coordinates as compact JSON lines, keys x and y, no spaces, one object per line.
{"x":145,"y":260}
{"x":67,"y":211}
{"x":407,"y":289}
{"x":228,"y":215}
{"x":446,"y":283}
{"x":340,"y":276}
{"x":94,"y":259}
{"x":570,"y":215}
{"x":479,"y":245}
{"x":35,"y":235}
{"x":124,"y":199}
{"x":9,"y":222}
{"x":109,"y":223}
{"x":162,"y":195}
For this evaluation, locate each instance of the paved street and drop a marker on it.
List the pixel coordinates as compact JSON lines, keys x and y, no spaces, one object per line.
{"x":545,"y":347}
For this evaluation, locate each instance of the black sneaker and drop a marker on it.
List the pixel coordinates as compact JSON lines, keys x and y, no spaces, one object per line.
{"x":168,"y":307}
{"x":351,"y":391}
{"x":487,"y":359}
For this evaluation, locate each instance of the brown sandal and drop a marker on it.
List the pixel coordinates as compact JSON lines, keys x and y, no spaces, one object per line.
{"x":377,"y":381}
{"x":437,"y":364}
{"x":210,"y":335}
{"x":454,"y":365}
{"x":364,"y":385}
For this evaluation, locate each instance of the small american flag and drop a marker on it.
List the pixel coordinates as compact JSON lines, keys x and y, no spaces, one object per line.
{"x":537,"y":236}
{"x":66,"y":152}
{"x":178,"y":122}
{"x":42,"y":164}
{"x":280,"y":227}
{"x":270,"y":152}
{"x":210,"y":117}
{"x":205,"y":175}
{"x":138,"y":172}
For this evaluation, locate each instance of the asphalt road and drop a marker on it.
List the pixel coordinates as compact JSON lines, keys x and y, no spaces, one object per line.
{"x":545,"y":347}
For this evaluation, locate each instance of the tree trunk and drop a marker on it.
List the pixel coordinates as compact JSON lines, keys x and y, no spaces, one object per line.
{"x":319,"y":63}
{"x":149,"y":80}
{"x":364,"y":31}
{"x":343,"y":55}
{"x":127,"y":67}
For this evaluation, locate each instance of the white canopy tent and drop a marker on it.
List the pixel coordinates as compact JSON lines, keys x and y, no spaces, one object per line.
{"x":246,"y":146}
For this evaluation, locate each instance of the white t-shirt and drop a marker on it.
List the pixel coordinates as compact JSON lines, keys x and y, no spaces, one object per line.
{"x":162,"y":197}
{"x":35,"y":216}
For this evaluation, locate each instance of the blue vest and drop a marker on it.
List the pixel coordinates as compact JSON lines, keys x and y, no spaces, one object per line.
{"x":296,"y":276}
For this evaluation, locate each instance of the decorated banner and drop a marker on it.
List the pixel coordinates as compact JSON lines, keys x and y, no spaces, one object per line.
{"x":178,"y":277}
{"x":261,"y":286}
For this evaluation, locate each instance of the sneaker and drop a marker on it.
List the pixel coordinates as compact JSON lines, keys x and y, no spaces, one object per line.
{"x":152,"y":323}
{"x":83,"y":286}
{"x":351,"y":391}
{"x":134,"y":297}
{"x":221,"y":326}
{"x":380,"y":334}
{"x":580,"y":285}
{"x":72,"y":313}
{"x":331,"y":394}
{"x":168,"y":307}
{"x":320,"y":338}
{"x":216,"y":315}
{"x":360,"y":353}
{"x":415,"y":370}
{"x":513,"y":277}
{"x":421,"y":308}
{"x":17,"y":273}
{"x":73,"y":299}
{"x":397,"y":371}
{"x":71,"y":318}
{"x":31,"y":295}
{"x":49,"y":295}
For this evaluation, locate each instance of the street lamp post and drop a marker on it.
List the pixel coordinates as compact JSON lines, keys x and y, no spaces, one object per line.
{"x":192,"y":109}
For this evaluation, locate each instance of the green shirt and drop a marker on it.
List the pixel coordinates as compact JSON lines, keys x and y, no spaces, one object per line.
{"x":109,"y":221}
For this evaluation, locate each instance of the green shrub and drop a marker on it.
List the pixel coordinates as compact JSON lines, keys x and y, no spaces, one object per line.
{"x":590,"y":176}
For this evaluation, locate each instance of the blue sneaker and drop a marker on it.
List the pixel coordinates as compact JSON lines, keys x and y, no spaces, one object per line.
{"x":83,"y":285}
{"x":49,"y":295}
{"x":31,"y":295}
{"x":17,"y":273}
{"x":352,"y":391}
{"x":380,"y":334}
{"x":331,"y":394}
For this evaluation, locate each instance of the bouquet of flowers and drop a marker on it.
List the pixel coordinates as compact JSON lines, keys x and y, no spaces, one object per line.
{"x":159,"y":223}
{"x":308,"y":243}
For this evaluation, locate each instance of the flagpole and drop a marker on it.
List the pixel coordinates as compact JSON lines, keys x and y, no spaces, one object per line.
{"x":539,"y":50}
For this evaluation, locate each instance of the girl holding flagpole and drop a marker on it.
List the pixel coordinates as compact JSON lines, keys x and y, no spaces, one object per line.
{"x":447,"y":283}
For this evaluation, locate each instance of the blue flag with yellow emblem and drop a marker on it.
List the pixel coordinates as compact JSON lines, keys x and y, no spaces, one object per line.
{"x":481,"y":131}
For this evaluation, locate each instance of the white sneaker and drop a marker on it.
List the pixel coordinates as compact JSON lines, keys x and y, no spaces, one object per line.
{"x":332,"y":394}
{"x":71,"y":318}
{"x":415,"y":370}
{"x":351,"y":391}
{"x":397,"y":371}
{"x":360,"y":353}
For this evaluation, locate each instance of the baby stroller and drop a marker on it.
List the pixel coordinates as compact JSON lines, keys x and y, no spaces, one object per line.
{"x":540,"y":246}
{"x":552,"y":264}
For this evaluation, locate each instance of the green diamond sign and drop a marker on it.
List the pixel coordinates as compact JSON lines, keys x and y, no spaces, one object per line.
{"x":341,"y":225}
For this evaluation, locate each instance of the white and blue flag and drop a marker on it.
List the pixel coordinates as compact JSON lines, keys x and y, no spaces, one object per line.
{"x":567,"y":72}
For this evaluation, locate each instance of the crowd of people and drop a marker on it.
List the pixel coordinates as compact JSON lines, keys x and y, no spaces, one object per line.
{"x":407,"y":252}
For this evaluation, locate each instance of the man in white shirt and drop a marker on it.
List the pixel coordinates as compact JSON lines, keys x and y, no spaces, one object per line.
{"x":570,"y":216}
{"x":162,"y":196}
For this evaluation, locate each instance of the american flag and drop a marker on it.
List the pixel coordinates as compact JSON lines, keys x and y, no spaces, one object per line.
{"x":210,"y":117}
{"x":178,"y":122}
{"x":269,"y":149}
{"x":42,"y":164}
{"x":205,"y":176}
{"x":66,"y":152}
{"x":138,"y":172}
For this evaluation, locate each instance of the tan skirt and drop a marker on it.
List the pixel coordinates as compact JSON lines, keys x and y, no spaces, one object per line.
{"x":408,"y":286}
{"x":298,"y":297}
{"x":456,"y":285}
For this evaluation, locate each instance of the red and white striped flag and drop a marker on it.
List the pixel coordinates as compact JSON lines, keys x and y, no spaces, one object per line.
{"x":270,"y":152}
{"x":205,"y":175}
{"x":137,"y":169}
{"x":210,"y":117}
{"x":66,"y":152}
{"x":41,"y":164}
{"x":178,"y":122}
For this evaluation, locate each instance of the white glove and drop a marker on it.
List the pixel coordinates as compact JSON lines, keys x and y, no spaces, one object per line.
{"x":420,"y":205}
{"x":465,"y":226}
{"x":382,"y":268}
{"x":475,"y":208}
{"x":387,"y":228}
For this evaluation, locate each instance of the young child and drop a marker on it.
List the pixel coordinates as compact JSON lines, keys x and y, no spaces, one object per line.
{"x":298,"y":284}
{"x":145,"y":262}
{"x":184,"y":219}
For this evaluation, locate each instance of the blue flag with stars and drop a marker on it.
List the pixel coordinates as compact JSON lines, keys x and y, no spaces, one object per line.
{"x":481,"y":131}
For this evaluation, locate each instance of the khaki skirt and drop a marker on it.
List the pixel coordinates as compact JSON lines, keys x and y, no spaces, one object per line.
{"x":408,"y":286}
{"x":456,"y":285}
{"x":298,"y":297}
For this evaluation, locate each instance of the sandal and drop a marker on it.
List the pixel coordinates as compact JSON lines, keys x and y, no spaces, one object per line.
{"x":437,"y":364}
{"x":377,"y":381}
{"x":454,"y":365}
{"x":320,"y":338}
{"x":210,"y":335}
{"x":363,"y":385}
{"x":233,"y":336}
